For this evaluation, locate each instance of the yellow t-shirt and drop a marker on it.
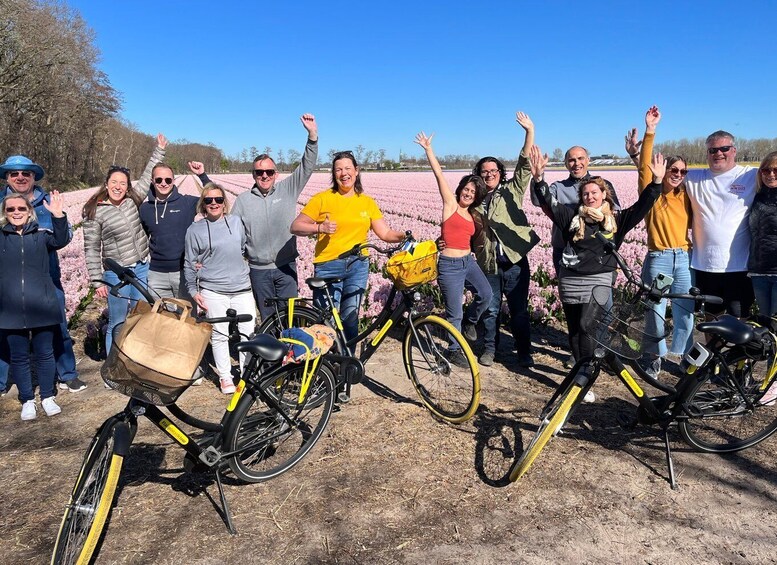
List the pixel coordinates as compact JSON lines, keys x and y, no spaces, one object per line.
{"x":353,"y":215}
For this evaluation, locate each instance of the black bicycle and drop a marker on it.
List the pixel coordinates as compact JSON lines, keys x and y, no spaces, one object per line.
{"x":719,"y":405}
{"x":269,"y":425}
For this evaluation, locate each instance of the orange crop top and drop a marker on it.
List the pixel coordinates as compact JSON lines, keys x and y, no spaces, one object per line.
{"x":457,"y":231}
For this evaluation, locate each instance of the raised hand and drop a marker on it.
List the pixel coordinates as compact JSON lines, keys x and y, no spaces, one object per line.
{"x":56,"y":205}
{"x":652,"y":117}
{"x":524,"y":120}
{"x":309,"y":123}
{"x":633,"y":143}
{"x":424,"y":141}
{"x":161,"y":140}
{"x":538,"y":162}
{"x":196,"y":167}
{"x":658,"y":167}
{"x":327,"y":226}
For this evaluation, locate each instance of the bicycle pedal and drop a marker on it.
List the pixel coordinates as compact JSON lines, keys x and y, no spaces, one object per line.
{"x":343,"y":397}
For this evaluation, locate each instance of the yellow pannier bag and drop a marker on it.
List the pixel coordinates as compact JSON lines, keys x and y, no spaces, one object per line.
{"x":415,"y":266}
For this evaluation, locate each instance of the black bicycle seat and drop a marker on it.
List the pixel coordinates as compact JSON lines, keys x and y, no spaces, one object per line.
{"x":729,"y":328}
{"x":318,"y":282}
{"x":264,"y":346}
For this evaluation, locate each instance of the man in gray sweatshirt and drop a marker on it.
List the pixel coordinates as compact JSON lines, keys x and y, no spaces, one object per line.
{"x":267,"y":211}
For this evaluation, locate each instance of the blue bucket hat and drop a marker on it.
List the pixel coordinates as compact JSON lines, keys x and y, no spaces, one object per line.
{"x":21,"y":163}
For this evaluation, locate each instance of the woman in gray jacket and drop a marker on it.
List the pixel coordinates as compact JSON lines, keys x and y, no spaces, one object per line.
{"x":112,"y":228}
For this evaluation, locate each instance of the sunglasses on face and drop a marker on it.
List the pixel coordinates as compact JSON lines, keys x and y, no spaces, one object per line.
{"x":16,"y":209}
{"x":676,"y":171}
{"x":724,"y":149}
{"x":766,"y":170}
{"x":25,"y":174}
{"x":212,"y":199}
{"x":160,"y":180}
{"x":269,"y":172}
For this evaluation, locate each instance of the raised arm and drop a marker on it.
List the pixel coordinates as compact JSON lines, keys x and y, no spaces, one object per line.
{"x":632,"y":145}
{"x":652,"y":117}
{"x":144,"y":182}
{"x":448,"y":198}
{"x":525,"y":121}
{"x":296,"y":181}
{"x":522,"y":177}
{"x":199,"y":169}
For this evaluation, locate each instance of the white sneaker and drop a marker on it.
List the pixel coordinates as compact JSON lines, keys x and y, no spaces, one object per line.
{"x":29,"y":412}
{"x":197,"y":382}
{"x":589,"y":397}
{"x":227,"y":385}
{"x":770,"y":396}
{"x":50,"y":407}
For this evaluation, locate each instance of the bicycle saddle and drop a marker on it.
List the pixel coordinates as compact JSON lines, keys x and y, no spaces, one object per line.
{"x":729,"y":328}
{"x":264,"y":346}
{"x":318,"y":282}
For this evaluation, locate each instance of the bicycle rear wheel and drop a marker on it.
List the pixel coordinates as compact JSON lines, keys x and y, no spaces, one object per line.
{"x":442,"y":368}
{"x":302,"y":316}
{"x":720,"y":418}
{"x":92,"y":497}
{"x":268,"y":443}
{"x":551,"y":421}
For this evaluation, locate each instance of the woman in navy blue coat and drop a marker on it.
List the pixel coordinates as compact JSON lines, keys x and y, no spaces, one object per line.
{"x":29,"y":307}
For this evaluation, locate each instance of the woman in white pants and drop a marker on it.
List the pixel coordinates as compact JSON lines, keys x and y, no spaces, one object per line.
{"x":217,"y":274}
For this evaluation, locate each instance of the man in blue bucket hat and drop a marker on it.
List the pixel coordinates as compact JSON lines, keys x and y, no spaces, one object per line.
{"x":20,"y":174}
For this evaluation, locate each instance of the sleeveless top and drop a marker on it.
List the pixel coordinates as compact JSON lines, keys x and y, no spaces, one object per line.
{"x":457,"y":231}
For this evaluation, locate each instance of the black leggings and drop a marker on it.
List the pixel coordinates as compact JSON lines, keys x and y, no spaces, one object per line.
{"x":579,"y":342}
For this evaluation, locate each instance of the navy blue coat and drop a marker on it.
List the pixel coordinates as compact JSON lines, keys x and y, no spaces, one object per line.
{"x":28,"y":298}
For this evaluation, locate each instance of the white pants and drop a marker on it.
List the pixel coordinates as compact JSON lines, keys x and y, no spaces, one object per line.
{"x":243,"y":303}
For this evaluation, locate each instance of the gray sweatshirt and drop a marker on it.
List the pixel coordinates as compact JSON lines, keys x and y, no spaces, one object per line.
{"x":218,"y":246}
{"x":267,"y":219}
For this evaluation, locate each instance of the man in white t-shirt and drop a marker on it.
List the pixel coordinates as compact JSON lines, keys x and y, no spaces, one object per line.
{"x":721,"y":197}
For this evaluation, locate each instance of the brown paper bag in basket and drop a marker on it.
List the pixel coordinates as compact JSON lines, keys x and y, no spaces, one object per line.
{"x":167,"y":342}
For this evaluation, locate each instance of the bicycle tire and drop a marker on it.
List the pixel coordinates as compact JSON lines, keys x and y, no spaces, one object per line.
{"x":554,"y":418}
{"x":267,"y":444}
{"x":717,"y":417}
{"x":92,"y":498}
{"x":449,"y":391}
{"x":302,"y":317}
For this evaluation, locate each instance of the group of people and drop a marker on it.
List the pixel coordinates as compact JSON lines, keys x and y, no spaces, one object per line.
{"x":240,"y":257}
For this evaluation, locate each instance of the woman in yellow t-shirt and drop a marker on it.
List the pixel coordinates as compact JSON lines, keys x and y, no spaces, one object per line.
{"x":341,"y":217}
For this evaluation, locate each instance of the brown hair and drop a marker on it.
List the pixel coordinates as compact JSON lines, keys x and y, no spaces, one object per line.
{"x":102,"y":193}
{"x":770,"y":159}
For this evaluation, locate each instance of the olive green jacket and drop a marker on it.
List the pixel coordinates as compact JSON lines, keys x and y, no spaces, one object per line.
{"x":506,"y":222}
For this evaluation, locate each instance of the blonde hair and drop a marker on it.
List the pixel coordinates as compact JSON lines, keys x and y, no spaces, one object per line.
{"x":207,"y":188}
{"x":769,"y":160}
{"x":15,"y":195}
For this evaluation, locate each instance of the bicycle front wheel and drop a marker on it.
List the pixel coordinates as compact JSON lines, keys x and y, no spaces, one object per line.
{"x":719,"y":418}
{"x":92,"y":497}
{"x":270,"y":442}
{"x":551,"y":421}
{"x":442,"y":368}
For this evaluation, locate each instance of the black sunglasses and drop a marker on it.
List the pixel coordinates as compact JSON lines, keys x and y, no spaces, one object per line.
{"x":212,"y":199}
{"x":675,"y":170}
{"x":167,"y":180}
{"x":341,"y":154}
{"x":767,"y":170}
{"x":114,"y":168}
{"x":25,"y":174}
{"x":15,"y":208}
{"x":724,"y":149}
{"x":269,"y":172}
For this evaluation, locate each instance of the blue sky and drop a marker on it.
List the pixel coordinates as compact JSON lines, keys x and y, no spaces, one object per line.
{"x":239,"y":73}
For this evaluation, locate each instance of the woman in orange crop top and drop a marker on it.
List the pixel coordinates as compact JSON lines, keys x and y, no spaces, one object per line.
{"x":457,"y":268}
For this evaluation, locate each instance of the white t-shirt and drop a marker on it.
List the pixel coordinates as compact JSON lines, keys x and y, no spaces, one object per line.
{"x":721,"y":205}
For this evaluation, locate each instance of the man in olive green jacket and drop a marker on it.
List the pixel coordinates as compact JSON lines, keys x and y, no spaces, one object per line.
{"x":501,"y":248}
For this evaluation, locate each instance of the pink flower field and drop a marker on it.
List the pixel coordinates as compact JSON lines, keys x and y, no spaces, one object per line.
{"x":409,"y":201}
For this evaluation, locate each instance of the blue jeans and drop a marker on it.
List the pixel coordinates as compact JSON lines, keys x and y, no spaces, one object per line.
{"x":765,"y":289}
{"x":118,"y":306}
{"x":512,"y":280}
{"x":18,"y":343}
{"x":348,"y":293}
{"x":453,"y":273}
{"x":674,"y":262}
{"x":278,"y":282}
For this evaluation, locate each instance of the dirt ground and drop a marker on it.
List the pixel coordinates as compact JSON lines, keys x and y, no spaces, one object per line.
{"x":389,"y":484}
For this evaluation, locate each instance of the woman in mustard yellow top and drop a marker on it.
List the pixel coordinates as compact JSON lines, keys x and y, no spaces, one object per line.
{"x":669,"y":245}
{"x":341,"y":217}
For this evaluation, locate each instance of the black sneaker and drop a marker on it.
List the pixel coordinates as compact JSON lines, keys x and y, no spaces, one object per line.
{"x":470,"y":332}
{"x":486,"y":358}
{"x":525,"y":360}
{"x":73,"y":385}
{"x":458,"y":358}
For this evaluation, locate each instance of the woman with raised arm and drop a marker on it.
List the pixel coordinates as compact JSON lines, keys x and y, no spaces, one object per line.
{"x":341,"y":217}
{"x":29,"y":308}
{"x":456,"y":266}
{"x":585,"y":264}
{"x":112,"y":228}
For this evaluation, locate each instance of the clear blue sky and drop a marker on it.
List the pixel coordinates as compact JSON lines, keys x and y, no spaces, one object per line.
{"x":239,"y":73}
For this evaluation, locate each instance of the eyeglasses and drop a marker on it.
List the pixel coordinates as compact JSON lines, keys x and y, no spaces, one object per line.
{"x":160,"y":180}
{"x":489,"y":172}
{"x":269,"y":172}
{"x":16,"y":209}
{"x":767,"y":170}
{"x":676,"y":171}
{"x":212,"y":199}
{"x":724,"y":149}
{"x":114,"y":168}
{"x":25,"y":174}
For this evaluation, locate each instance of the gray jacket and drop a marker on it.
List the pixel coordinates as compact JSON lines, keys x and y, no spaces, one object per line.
{"x":116,"y":231}
{"x":267,"y":219}
{"x":217,"y":247}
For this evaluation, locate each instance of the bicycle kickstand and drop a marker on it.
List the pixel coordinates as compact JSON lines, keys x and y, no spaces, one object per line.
{"x":669,"y":462}
{"x":227,"y":515}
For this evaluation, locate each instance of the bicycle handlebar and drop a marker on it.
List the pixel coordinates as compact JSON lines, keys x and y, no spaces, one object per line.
{"x":358,"y":248}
